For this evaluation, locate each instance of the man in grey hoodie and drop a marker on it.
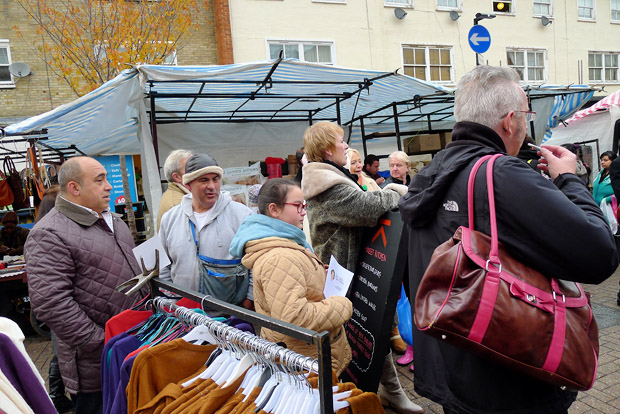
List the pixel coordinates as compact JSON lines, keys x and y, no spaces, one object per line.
{"x":196,"y":235}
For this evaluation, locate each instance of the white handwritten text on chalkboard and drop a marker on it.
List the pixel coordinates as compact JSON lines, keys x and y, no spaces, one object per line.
{"x":362,"y":344}
{"x":371,"y":269}
{"x":368,"y":283}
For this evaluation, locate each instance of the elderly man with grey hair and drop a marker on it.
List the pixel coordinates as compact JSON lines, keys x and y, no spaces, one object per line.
{"x":174,"y":168}
{"x":553,"y":226}
{"x":399,"y":169}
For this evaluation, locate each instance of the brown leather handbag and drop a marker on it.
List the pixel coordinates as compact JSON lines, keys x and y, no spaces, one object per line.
{"x":474,"y":295}
{"x":6,"y":195}
{"x":15,"y":182}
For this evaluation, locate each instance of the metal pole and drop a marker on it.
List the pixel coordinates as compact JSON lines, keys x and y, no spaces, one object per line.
{"x":397,"y":127}
{"x":363,"y":131}
{"x":154,"y":129}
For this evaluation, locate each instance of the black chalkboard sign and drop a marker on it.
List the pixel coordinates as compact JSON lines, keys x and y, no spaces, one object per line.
{"x":374,"y":293}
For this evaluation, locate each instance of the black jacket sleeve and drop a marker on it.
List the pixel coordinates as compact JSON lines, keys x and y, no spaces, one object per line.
{"x":556,"y":228}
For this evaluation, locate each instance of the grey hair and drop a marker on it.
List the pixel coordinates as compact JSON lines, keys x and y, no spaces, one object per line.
{"x":70,"y":170}
{"x":173,"y":162}
{"x":400,"y":156}
{"x":486,"y":94}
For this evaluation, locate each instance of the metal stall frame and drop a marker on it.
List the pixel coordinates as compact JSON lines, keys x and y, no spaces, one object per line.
{"x":402,"y":114}
{"x":262,"y":91}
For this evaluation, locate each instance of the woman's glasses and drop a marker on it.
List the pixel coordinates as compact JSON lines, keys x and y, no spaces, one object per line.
{"x":300,"y":206}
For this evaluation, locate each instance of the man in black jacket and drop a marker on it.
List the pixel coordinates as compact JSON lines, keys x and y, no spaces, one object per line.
{"x":554,"y":227}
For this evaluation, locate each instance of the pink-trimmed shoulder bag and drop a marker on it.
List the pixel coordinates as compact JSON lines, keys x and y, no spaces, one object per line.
{"x":475,"y":296}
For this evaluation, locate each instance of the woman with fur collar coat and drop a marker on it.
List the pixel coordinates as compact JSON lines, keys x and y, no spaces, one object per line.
{"x":339,"y":212}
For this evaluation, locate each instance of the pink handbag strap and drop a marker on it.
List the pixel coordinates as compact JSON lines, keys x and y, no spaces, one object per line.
{"x":492,"y":279}
{"x":493,"y":254}
{"x":493,"y":266}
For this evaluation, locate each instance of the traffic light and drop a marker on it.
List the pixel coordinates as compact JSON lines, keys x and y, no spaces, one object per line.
{"x":502,"y":6}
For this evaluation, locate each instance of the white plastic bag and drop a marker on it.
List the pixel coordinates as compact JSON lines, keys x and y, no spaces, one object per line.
{"x":610,"y":214}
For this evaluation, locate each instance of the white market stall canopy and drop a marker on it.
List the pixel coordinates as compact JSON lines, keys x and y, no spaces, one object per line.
{"x":248,"y":111}
{"x":235,"y":112}
{"x":106,"y":120}
{"x":202,"y":107}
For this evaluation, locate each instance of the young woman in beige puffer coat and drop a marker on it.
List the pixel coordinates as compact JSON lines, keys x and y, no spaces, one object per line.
{"x":288,"y":277}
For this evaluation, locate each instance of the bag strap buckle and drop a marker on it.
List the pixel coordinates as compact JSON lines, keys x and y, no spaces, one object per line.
{"x":499,"y":266}
{"x":555,"y":298}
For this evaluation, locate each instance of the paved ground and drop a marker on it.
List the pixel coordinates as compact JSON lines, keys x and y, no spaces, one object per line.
{"x":603,"y":398}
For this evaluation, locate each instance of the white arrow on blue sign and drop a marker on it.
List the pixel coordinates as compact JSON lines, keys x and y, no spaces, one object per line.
{"x":479,"y":39}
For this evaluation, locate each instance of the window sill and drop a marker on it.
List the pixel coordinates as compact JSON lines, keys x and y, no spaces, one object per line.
{"x":449,"y":9}
{"x":394,"y":5}
{"x":7,"y":86}
{"x":581,"y":19}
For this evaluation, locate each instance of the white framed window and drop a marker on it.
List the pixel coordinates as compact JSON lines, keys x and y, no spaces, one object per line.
{"x":505,"y":7}
{"x":398,"y":3}
{"x":308,"y":51}
{"x":529,"y":63}
{"x":586,"y":9}
{"x":448,"y":5}
{"x":431,"y":63}
{"x":615,"y":11}
{"x":6,"y":79}
{"x":603,"y":67}
{"x":543,"y":8}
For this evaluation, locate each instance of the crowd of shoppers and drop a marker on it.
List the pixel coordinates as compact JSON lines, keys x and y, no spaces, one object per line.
{"x":78,"y":251}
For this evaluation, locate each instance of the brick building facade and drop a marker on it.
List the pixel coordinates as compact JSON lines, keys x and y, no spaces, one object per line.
{"x":42,"y":91}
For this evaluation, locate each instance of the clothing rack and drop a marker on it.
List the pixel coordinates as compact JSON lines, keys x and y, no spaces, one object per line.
{"x":322,"y":366}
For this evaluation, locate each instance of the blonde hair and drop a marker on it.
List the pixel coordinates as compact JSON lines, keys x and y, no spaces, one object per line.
{"x":400,"y":156}
{"x":319,"y":138}
{"x":351,"y":150}
{"x":350,"y":153}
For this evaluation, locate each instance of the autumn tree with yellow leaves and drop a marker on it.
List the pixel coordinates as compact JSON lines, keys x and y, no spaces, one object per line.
{"x":88,"y":42}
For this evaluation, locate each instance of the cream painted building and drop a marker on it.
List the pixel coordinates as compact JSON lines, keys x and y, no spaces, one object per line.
{"x":579,"y":44}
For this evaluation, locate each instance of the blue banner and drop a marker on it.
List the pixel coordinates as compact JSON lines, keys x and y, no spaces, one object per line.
{"x":112,"y":164}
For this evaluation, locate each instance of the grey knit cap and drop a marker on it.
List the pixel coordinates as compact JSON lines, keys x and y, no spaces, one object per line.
{"x":198,"y":165}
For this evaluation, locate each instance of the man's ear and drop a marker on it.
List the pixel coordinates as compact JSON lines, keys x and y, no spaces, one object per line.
{"x":506,"y":123}
{"x":73,"y":188}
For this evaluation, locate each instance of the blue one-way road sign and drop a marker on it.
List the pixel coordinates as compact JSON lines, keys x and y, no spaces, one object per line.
{"x":479,"y":39}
